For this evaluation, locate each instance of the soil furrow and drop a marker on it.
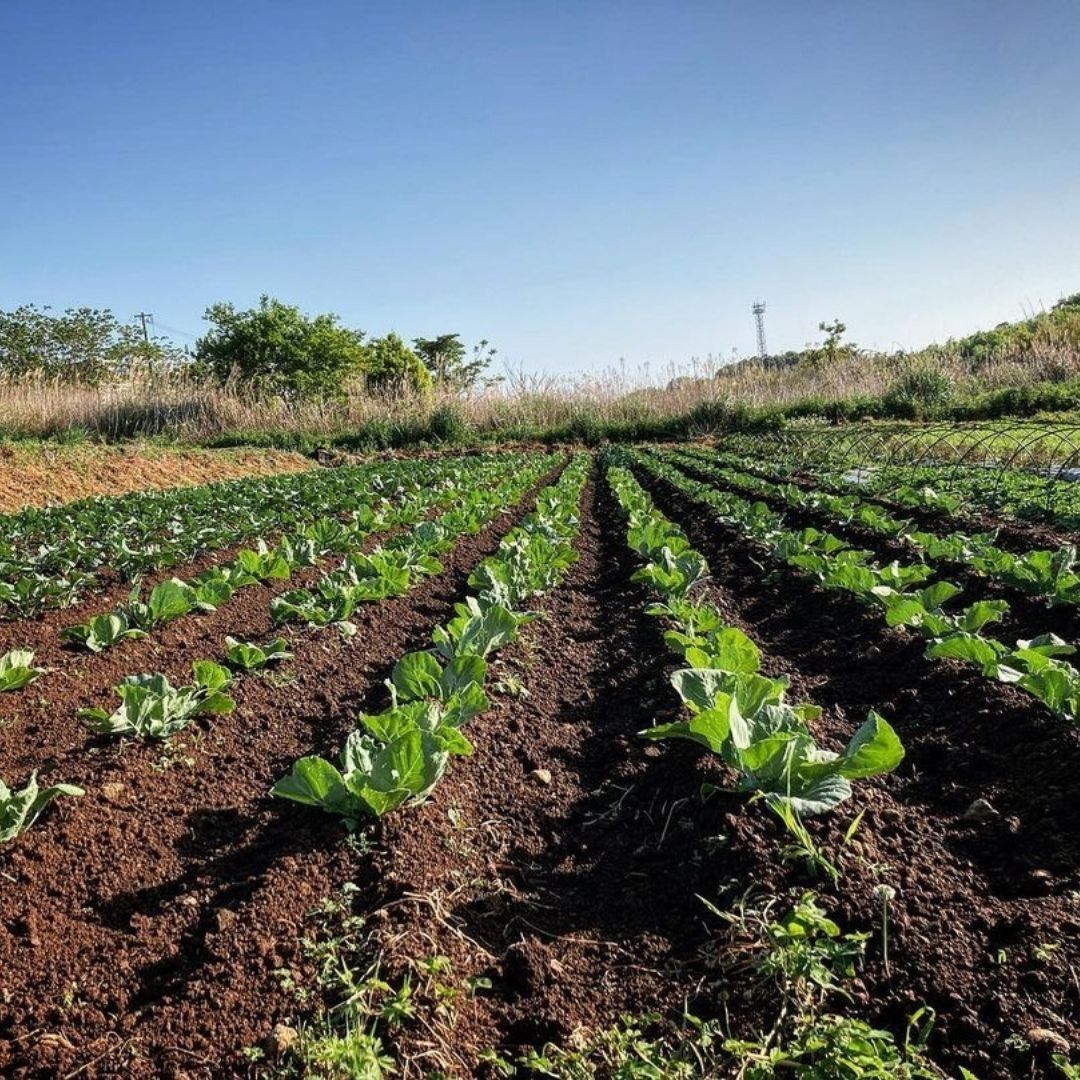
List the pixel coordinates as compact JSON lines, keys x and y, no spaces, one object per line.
{"x":574,"y":897}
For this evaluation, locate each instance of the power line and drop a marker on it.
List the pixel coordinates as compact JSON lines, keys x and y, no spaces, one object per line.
{"x":174,"y":330}
{"x":145,"y":316}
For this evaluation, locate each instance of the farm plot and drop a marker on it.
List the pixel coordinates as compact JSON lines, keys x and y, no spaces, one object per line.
{"x":545,"y":765}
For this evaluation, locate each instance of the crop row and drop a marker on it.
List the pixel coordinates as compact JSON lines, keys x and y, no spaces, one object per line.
{"x":50,"y":557}
{"x":418,"y":490}
{"x":904,"y":595}
{"x":152,"y":708}
{"x":1043,"y":572}
{"x":947,"y":487}
{"x":733,"y":709}
{"x":398,"y":755}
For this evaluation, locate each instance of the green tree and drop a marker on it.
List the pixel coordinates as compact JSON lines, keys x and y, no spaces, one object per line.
{"x":390,"y":364}
{"x":276,"y":348}
{"x":450,"y":363}
{"x":831,"y":349}
{"x":86,"y":344}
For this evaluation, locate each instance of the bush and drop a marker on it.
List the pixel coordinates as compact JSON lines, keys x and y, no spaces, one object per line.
{"x":920,"y":390}
{"x":275,"y":348}
{"x":391,"y":365}
{"x":447,"y":425}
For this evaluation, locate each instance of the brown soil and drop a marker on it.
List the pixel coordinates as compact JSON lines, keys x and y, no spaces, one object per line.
{"x":170,"y":900}
{"x":975,"y":902}
{"x":45,"y":475}
{"x":142,"y":925}
{"x":578,"y":900}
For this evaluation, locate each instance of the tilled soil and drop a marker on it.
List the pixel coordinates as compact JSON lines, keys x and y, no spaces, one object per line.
{"x":579,"y":900}
{"x":561,"y":870}
{"x":561,"y":862}
{"x":985,"y":919}
{"x":141,"y":930}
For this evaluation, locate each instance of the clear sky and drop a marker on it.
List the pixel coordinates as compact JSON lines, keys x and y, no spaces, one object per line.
{"x":577,"y":181}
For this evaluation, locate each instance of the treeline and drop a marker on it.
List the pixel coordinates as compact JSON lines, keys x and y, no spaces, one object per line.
{"x":273,"y":348}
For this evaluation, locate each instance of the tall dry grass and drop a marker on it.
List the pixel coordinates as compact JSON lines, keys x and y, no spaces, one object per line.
{"x":173,"y":404}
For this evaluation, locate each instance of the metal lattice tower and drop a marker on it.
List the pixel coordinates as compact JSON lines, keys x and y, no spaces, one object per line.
{"x":759,"y":317}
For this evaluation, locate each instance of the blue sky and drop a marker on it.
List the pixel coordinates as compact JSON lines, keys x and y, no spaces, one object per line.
{"x":578,"y":182}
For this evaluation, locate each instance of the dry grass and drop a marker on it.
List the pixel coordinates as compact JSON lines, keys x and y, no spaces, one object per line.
{"x":172,"y":404}
{"x":155,"y":403}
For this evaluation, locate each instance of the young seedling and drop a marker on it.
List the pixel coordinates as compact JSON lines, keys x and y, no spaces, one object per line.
{"x":20,"y":809}
{"x":152,"y":708}
{"x":246,"y":657}
{"x":17,"y":669}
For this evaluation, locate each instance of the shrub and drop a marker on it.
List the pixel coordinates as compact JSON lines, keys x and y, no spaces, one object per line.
{"x":275,"y":348}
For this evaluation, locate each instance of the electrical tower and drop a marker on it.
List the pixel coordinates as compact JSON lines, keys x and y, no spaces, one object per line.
{"x":759,"y":317}
{"x":144,"y":317}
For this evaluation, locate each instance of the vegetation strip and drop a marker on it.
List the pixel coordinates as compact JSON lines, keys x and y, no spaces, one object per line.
{"x":1047,"y":573}
{"x":400,"y":754}
{"x":49,"y":558}
{"x":735,"y":711}
{"x":152,"y":708}
{"x":945,"y":488}
{"x":903,"y":596}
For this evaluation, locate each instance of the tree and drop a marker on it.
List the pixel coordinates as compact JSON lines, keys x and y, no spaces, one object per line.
{"x":276,"y":348}
{"x":391,"y":364}
{"x":831,"y":350}
{"x":449,"y":362}
{"x":85,"y":344}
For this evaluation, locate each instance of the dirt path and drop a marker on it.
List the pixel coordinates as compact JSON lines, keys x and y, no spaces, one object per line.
{"x":46,"y":474}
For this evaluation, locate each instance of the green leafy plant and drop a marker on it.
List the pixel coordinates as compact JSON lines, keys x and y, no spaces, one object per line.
{"x":17,"y":669}
{"x":151,"y":708}
{"x":246,"y":657}
{"x":20,"y":809}
{"x":103,"y":632}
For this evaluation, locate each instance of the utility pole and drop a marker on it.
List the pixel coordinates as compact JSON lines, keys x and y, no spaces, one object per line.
{"x":759,"y":317}
{"x":144,"y":317}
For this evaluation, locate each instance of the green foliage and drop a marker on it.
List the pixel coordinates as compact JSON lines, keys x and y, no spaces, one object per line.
{"x":277,"y":349}
{"x":17,"y":669}
{"x":921,"y":390}
{"x":20,"y":809}
{"x":102,"y":632}
{"x":152,"y":708}
{"x":246,"y":657}
{"x":396,"y":756}
{"x":84,"y":344}
{"x":733,"y":710}
{"x":450,"y":364}
{"x":389,"y":364}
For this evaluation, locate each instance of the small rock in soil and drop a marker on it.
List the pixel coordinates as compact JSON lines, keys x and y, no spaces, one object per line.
{"x":540,"y":776}
{"x":281,"y":1040}
{"x":113,"y":792}
{"x":1048,"y":1040}
{"x":979,"y":811}
{"x":1041,"y":881}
